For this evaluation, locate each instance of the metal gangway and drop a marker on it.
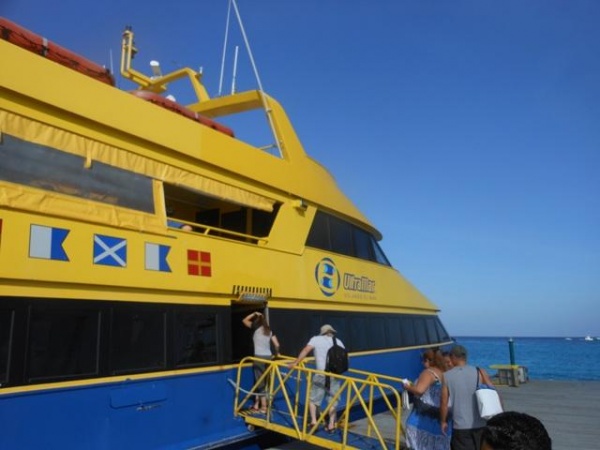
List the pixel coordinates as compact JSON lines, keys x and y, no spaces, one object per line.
{"x":362,"y":398}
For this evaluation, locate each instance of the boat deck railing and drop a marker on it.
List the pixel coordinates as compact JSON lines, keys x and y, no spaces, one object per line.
{"x":361,"y":397}
{"x":199,"y":228}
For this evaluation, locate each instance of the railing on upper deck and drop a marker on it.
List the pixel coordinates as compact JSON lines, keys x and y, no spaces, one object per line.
{"x":362,"y":395}
{"x":209,"y":230}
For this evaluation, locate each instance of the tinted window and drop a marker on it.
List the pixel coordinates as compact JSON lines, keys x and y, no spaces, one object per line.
{"x":341,"y":236}
{"x":62,"y":343}
{"x":393,"y":332}
{"x":379,"y":255}
{"x":421,"y":332}
{"x":358,"y":335}
{"x":138,"y":340}
{"x":362,"y":244}
{"x":442,"y":333}
{"x":319,"y":232}
{"x":195,"y":338}
{"x":407,"y":329}
{"x":50,"y":169}
{"x":333,"y":234}
{"x":431,"y":330}
{"x":377,"y":332}
{"x":262,"y":221}
{"x":6,"y":329}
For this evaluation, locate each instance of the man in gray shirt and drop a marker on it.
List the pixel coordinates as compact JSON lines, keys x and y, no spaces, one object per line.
{"x":458,"y":391}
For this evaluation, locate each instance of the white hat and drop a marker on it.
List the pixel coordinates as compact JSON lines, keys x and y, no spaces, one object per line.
{"x":327,"y":329}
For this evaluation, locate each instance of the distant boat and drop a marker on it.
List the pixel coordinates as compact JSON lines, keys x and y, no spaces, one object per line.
{"x":588,"y":338}
{"x":568,"y":339}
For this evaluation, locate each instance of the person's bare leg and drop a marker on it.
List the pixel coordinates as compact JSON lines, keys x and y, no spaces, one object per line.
{"x":313,"y":413}
{"x":332,"y":417}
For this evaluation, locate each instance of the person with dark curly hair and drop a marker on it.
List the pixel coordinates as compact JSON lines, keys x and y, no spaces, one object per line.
{"x":512,"y":430}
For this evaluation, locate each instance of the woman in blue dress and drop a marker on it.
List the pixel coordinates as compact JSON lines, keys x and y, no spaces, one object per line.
{"x":423,"y":428}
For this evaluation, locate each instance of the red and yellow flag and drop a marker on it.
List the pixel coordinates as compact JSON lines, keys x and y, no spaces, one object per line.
{"x":199,"y":263}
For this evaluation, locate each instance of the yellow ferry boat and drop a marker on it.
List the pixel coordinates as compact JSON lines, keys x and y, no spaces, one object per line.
{"x":136,"y":233}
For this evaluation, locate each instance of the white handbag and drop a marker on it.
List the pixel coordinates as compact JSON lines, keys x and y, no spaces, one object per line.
{"x":488,"y":400}
{"x":406,"y":404}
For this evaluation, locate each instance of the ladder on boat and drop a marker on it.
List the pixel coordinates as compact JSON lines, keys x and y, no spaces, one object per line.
{"x":362,"y":399}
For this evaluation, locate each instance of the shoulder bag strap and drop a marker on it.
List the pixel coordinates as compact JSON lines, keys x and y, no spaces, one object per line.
{"x":434,"y":374}
{"x":477,"y":385}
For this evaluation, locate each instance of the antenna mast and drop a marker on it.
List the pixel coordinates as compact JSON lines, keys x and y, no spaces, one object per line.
{"x":278,"y":142}
{"x":224,"y":50}
{"x":235,"y":60}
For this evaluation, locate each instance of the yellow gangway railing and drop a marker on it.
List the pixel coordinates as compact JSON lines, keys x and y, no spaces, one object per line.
{"x":288,"y":390}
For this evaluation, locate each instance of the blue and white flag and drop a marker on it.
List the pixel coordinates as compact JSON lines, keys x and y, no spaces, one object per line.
{"x":156,"y":257}
{"x":110,"y":251}
{"x":47,"y":243}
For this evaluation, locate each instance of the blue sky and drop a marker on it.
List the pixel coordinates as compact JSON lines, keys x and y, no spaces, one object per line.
{"x":467,"y":131}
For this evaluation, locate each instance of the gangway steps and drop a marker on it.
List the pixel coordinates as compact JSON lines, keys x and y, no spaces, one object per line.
{"x":281,"y":422}
{"x":358,"y":398}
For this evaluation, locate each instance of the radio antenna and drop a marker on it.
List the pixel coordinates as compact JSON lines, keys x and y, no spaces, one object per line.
{"x":224,"y":50}
{"x":235,"y":60}
{"x":267,"y":109}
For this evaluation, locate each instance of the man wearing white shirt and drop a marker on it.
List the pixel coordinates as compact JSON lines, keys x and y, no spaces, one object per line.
{"x":320,"y":345}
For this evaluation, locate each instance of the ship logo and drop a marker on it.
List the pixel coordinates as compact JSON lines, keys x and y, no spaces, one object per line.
{"x":327,"y":276}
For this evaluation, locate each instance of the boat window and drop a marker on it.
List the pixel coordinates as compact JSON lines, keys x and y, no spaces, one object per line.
{"x":46,"y":168}
{"x":421,"y":331}
{"x":63,"y":343}
{"x":341,"y":236}
{"x":376,"y":333}
{"x":441,"y":331}
{"x":407,"y":328}
{"x":362,"y":245}
{"x":319,"y":232}
{"x":358,"y":337}
{"x":6,"y":331}
{"x":379,"y":255}
{"x":216,"y":216}
{"x":138,"y":340}
{"x":336,"y":235}
{"x":392,"y":325}
{"x":360,"y":331}
{"x":45,"y":341}
{"x":195,"y":338}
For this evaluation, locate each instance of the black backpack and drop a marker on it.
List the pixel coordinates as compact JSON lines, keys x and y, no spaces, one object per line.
{"x":337,"y":359}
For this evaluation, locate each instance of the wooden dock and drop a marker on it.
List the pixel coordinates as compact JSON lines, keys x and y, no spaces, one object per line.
{"x":570,"y":411}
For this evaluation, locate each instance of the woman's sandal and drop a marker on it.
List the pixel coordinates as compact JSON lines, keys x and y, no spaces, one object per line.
{"x":330,"y":430}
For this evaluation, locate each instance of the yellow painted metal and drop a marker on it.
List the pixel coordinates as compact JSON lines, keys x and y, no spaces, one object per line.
{"x":359,"y":390}
{"x":107,"y":122}
{"x":156,"y":84}
{"x":114,"y":117}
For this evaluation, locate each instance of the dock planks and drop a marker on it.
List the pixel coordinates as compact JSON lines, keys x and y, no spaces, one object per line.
{"x":570,"y":411}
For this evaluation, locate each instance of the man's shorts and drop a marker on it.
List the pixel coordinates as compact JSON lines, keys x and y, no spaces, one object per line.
{"x":318,"y":390}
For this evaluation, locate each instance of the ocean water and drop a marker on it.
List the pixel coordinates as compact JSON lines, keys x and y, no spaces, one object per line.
{"x":547,"y":358}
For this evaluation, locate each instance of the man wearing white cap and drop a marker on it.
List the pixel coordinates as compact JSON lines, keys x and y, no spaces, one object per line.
{"x":321,"y":345}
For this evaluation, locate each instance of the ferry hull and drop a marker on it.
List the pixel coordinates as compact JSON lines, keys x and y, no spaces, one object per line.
{"x":190,"y":411}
